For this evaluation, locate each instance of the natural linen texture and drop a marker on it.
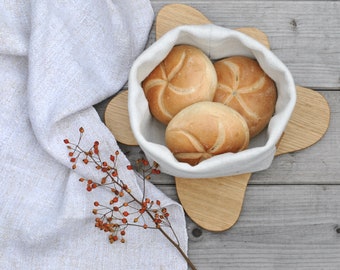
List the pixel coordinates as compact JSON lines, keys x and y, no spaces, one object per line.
{"x":58,"y":59}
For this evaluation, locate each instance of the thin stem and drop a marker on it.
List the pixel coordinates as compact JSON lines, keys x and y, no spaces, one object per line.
{"x":119,"y":182}
{"x":177,"y":246}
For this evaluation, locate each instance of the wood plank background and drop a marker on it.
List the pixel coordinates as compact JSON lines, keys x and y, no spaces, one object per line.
{"x":303,"y":34}
{"x":291,"y":214}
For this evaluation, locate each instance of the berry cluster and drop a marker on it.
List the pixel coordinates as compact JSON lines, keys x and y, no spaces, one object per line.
{"x":116,"y":218}
{"x":124,"y":209}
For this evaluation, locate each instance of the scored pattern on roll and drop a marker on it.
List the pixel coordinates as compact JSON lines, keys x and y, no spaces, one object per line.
{"x":184,"y":77}
{"x":244,"y":86}
{"x":206,"y":129}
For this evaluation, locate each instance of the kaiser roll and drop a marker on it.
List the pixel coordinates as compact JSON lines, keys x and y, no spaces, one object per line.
{"x":205,"y":129}
{"x":244,"y":86}
{"x":184,"y":77}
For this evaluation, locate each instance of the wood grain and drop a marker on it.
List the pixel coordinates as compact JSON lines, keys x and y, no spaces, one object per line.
{"x":303,"y":34}
{"x":308,"y":124}
{"x":227,"y":193}
{"x":175,"y":15}
{"x":290,"y":216}
{"x":224,"y":196}
{"x":317,"y":164}
{"x":281,"y":227}
{"x":214,"y":204}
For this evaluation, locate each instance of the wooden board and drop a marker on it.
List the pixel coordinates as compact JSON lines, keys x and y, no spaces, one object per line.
{"x":224,"y":196}
{"x":215,"y":204}
{"x":281,"y":227}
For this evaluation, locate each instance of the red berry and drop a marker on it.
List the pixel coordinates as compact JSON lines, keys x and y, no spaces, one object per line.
{"x":155,"y":171}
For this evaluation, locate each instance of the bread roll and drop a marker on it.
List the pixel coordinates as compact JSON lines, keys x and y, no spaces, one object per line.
{"x":184,"y":77}
{"x":244,"y":86}
{"x":205,"y":129}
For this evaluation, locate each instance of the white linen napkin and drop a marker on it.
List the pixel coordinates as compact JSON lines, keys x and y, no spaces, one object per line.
{"x":58,"y":59}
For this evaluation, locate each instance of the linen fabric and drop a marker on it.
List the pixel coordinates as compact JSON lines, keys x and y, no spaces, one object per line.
{"x":57,"y":60}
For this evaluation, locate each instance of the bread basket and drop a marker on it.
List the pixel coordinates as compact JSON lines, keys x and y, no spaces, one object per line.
{"x":217,"y":42}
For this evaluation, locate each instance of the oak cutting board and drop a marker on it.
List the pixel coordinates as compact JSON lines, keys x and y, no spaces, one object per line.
{"x":216,"y":203}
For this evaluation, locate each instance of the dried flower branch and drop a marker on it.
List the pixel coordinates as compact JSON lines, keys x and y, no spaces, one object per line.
{"x":124,"y":209}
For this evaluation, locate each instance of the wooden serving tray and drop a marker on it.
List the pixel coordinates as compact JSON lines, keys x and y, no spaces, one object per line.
{"x":216,"y":203}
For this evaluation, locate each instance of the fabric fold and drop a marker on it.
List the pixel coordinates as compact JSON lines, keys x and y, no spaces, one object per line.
{"x":58,"y":59}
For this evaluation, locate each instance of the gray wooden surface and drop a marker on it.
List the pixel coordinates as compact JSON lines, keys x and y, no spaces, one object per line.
{"x":291,"y":214}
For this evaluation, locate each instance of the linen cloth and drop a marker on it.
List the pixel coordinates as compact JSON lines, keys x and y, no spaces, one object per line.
{"x":58,"y":59}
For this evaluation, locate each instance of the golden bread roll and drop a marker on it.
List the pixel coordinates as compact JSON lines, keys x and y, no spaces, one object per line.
{"x":184,"y":77}
{"x":244,"y":86}
{"x":205,"y":129}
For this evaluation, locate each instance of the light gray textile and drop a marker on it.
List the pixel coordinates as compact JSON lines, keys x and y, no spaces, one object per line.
{"x":58,"y":59}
